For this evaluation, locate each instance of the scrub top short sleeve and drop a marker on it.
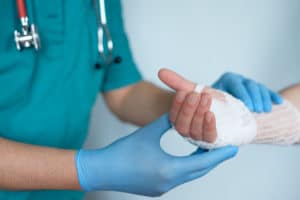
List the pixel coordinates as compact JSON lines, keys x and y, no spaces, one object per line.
{"x":126,"y":72}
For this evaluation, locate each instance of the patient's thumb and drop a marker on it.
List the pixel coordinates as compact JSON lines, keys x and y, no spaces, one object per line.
{"x":175,"y":81}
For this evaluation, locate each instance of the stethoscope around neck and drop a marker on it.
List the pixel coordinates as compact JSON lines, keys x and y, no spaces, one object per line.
{"x":29,"y":37}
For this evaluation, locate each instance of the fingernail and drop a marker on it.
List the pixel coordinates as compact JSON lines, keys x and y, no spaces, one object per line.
{"x":192,"y":100}
{"x":180,"y":97}
{"x":204,"y":100}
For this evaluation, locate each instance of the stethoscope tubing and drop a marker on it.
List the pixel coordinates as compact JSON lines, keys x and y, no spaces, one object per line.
{"x":29,"y":36}
{"x":22,"y":11}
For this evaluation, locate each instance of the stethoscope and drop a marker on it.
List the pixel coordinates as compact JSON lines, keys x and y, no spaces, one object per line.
{"x":29,"y":37}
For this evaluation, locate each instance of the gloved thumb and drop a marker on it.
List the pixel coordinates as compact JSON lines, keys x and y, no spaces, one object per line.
{"x":175,"y":81}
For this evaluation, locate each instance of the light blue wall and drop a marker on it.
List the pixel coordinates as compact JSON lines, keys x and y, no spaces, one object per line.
{"x":202,"y":39}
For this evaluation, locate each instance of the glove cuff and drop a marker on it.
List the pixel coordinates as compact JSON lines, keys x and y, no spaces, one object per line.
{"x":80,"y":171}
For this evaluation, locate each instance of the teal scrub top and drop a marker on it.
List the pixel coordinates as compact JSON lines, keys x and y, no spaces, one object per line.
{"x":47,"y":96}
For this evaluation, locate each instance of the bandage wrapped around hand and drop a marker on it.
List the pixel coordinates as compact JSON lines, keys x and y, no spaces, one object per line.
{"x":236,"y":125}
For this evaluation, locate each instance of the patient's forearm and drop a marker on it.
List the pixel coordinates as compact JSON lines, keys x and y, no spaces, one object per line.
{"x":292,"y":94}
{"x":282,"y":125}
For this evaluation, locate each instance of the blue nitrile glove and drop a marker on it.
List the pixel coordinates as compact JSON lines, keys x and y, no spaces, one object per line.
{"x":256,"y":96}
{"x":137,"y":164}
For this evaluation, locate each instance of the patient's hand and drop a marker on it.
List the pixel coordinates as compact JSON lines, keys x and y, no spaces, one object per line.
{"x":192,"y":117}
{"x":190,"y":112}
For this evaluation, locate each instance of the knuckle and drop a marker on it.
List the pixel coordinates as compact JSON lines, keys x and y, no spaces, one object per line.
{"x":180,"y":97}
{"x":238,"y":88}
{"x":177,"y":103}
{"x":246,"y":82}
{"x":187,"y":110}
{"x":200,"y":111}
{"x":196,"y":126}
{"x":251,"y":84}
{"x":189,"y":95}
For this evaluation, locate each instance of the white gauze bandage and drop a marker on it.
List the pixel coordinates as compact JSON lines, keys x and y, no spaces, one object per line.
{"x":234,"y":122}
{"x":281,"y":126}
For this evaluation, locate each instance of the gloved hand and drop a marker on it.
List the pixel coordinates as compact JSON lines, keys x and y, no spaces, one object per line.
{"x":255,"y":96}
{"x":137,"y":164}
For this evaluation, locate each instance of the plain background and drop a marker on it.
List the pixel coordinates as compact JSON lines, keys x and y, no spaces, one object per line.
{"x":201,"y":39}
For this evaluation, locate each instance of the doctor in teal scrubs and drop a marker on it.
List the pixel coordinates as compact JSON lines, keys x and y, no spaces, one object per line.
{"x":46,"y":100}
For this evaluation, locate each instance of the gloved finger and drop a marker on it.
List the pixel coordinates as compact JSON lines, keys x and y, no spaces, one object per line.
{"x":200,"y":162}
{"x":228,"y":79}
{"x":240,"y":92}
{"x":276,"y":98}
{"x":254,"y":92}
{"x":156,"y":129}
{"x":177,"y":104}
{"x":186,"y":113}
{"x":217,"y":85}
{"x":209,"y":128}
{"x":175,"y":81}
{"x":196,"y":131}
{"x":266,"y":98}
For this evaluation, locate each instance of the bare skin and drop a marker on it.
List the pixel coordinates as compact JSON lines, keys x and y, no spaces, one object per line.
{"x":191,"y":120}
{"x":29,"y":167}
{"x":188,"y":118}
{"x":292,"y":94}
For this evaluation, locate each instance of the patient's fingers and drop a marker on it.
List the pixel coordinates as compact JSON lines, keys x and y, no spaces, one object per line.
{"x":209,"y":127}
{"x":196,"y":131}
{"x":175,"y":81}
{"x":176,"y":105}
{"x":186,"y":113}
